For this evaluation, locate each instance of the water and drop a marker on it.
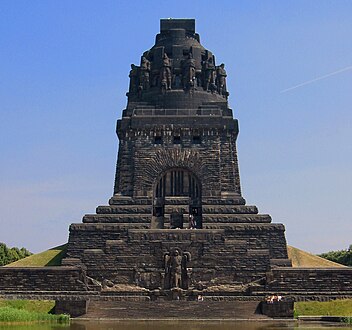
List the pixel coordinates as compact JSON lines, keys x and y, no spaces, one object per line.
{"x":174,"y":325}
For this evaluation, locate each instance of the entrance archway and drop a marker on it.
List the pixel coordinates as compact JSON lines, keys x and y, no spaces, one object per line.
{"x":177,"y":195}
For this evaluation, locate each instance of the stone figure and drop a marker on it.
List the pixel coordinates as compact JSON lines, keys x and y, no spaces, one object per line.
{"x":133,"y":79}
{"x":221,"y":79}
{"x":189,"y":72}
{"x":209,"y":73}
{"x":144,"y":74}
{"x":176,"y":275}
{"x":165,"y":73}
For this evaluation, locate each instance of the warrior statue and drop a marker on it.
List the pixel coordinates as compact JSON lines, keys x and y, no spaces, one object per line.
{"x":221,"y":79}
{"x":189,"y":72}
{"x":176,"y":269}
{"x":209,"y":75}
{"x":133,"y":79}
{"x":165,"y":73}
{"x":144,"y":74}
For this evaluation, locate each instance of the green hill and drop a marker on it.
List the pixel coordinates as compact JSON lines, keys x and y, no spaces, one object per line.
{"x":51,"y":257}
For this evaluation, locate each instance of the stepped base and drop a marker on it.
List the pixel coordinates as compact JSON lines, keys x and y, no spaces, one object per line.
{"x":175,"y":310}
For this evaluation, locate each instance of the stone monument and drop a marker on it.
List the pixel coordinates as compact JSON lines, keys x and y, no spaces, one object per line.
{"x":177,"y":158}
{"x":177,"y":226}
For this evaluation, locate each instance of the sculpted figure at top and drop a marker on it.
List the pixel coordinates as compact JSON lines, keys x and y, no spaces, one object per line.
{"x":221,"y":79}
{"x":165,"y":73}
{"x":189,"y":72}
{"x":209,"y":75}
{"x":144,"y":74}
{"x":177,"y":62}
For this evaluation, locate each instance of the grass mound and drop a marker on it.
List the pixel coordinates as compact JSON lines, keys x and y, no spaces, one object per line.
{"x":41,"y":306}
{"x":302,"y":258}
{"x":341,"y":307}
{"x":9,"y":314}
{"x":29,"y":311}
{"x":51,"y":257}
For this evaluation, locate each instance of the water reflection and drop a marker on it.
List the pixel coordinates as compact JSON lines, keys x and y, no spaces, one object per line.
{"x":173,"y":325}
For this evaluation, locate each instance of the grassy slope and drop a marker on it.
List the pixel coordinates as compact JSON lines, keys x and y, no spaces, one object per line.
{"x":50,"y":257}
{"x":341,"y":307}
{"x":40,"y":306}
{"x":29,"y":311}
{"x":304,"y":259}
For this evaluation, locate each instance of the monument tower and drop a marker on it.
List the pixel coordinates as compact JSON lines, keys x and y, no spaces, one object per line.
{"x":177,"y":229}
{"x":177,"y":217}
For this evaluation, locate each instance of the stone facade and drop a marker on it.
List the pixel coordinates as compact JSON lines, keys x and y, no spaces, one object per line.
{"x":177,"y":158}
{"x":177,"y":226}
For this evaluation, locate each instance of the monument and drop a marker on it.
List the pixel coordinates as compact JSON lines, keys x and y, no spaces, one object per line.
{"x":177,"y":159}
{"x":177,"y":226}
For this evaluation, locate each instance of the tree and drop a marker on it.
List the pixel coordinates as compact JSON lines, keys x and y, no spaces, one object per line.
{"x":343,"y":257}
{"x":8,"y":255}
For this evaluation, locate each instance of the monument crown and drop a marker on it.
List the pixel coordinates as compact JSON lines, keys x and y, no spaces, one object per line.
{"x":177,"y":71}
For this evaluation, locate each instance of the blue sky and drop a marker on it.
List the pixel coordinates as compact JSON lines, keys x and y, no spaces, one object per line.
{"x":64,"y":74}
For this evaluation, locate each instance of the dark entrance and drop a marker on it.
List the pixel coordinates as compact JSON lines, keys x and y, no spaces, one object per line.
{"x":177,"y":195}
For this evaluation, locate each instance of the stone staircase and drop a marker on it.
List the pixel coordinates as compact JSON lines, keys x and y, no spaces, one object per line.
{"x":174,"y":310}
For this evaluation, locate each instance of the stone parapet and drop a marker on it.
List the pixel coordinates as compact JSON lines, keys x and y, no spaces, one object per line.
{"x":42,"y":279}
{"x":310,"y":281}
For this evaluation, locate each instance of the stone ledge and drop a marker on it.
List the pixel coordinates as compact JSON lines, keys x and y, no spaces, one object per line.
{"x":236,"y":218}
{"x":229,"y":209}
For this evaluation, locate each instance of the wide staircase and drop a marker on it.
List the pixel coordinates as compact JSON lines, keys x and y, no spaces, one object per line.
{"x":174,"y":310}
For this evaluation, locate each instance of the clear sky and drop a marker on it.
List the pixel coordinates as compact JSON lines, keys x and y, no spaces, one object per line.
{"x":64,"y":73}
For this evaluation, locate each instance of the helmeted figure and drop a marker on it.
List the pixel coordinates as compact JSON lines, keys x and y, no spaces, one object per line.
{"x":144,"y":74}
{"x":165,"y":73}
{"x":221,"y":79}
{"x":209,"y":74}
{"x":133,"y":79}
{"x":176,"y":269}
{"x":189,"y":72}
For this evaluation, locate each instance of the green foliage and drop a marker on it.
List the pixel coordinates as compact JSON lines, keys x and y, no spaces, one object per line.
{"x":43,"y":306}
{"x":51,"y":257}
{"x":340,"y":307}
{"x":8,"y":255}
{"x":10,"y":314}
{"x":29,"y":311}
{"x":343,"y":257}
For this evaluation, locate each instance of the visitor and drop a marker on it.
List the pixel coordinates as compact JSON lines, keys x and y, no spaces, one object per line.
{"x":191,"y":222}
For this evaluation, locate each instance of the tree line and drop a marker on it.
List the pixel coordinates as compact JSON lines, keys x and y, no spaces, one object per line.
{"x":8,"y":255}
{"x":343,"y":257}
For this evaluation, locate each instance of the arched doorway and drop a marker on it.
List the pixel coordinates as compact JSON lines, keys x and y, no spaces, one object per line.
{"x":177,"y":195}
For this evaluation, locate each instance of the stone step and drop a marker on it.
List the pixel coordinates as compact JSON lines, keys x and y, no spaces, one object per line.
{"x":145,"y":218}
{"x":118,"y":218}
{"x":175,"y":309}
{"x":238,"y":200}
{"x":209,"y":219}
{"x":126,"y":200}
{"x":124,"y":209}
{"x":229,"y":209}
